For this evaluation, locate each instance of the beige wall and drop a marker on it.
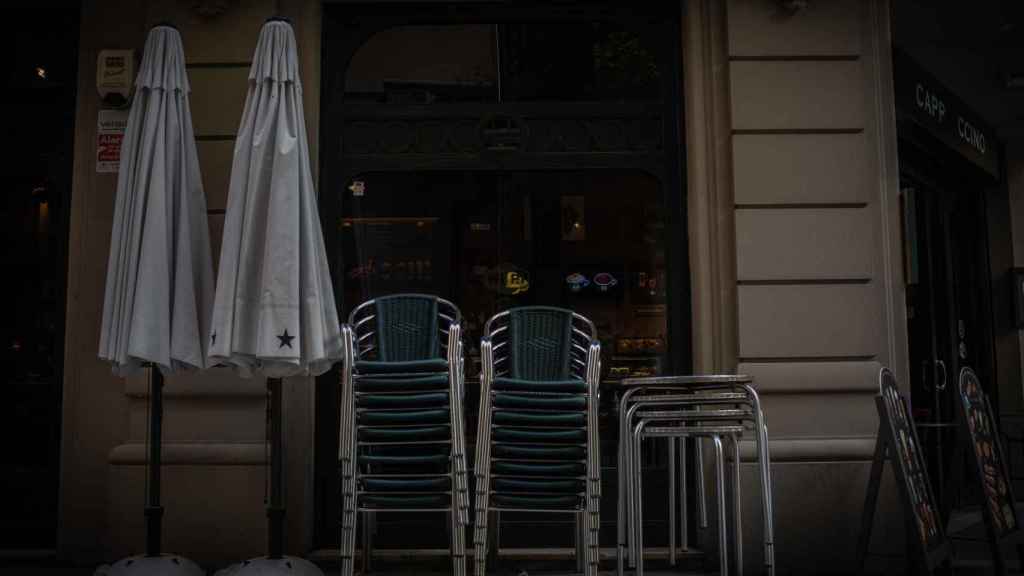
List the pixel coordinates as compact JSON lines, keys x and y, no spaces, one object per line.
{"x":213,"y":481}
{"x":804,"y":215}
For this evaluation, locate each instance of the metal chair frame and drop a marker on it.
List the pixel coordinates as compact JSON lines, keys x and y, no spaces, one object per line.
{"x":358,"y":341}
{"x":586,"y":365}
{"x":679,"y":407}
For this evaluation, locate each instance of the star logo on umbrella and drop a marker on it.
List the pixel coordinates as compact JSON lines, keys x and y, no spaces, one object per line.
{"x":286,"y":339}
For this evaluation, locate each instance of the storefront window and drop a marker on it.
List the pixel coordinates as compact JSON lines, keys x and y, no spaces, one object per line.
{"x":533,"y":61}
{"x":591,"y":241}
{"x":424,"y":65}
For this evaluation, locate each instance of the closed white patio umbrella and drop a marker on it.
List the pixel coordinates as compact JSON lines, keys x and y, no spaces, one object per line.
{"x":159,"y":288}
{"x":274,"y":311}
{"x":274,"y":308}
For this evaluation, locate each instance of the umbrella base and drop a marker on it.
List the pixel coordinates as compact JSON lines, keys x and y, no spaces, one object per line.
{"x":163,"y":565}
{"x":288,"y":565}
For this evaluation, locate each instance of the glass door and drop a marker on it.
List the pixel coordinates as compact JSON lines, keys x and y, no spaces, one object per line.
{"x":946,"y":274}
{"x":504,"y":154}
{"x":592,"y":241}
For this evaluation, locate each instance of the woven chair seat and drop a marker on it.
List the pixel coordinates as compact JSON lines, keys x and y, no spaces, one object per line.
{"x":411,"y":459}
{"x":514,"y":452}
{"x":412,"y":434}
{"x":539,"y":436}
{"x":507,"y":400}
{"x":397,"y":401}
{"x":368,"y":367}
{"x":403,"y":417}
{"x":402,"y":383}
{"x":404,"y":501}
{"x":524,"y":385}
{"x":545,"y":469}
{"x":560,"y":486}
{"x":538,"y":502}
{"x":540,"y":418}
{"x":406,"y":484}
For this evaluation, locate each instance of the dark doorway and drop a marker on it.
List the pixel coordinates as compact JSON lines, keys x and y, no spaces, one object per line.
{"x":948,"y":296}
{"x":34,"y":214}
{"x":499,"y":154}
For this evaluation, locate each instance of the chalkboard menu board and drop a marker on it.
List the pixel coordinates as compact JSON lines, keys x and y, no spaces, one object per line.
{"x":909,"y":464}
{"x":983,"y":436}
{"x":897,"y":442}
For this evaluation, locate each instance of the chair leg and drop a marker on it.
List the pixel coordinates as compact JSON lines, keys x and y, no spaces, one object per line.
{"x":482,"y":467}
{"x":460,"y":476}
{"x":592,"y":517}
{"x":480,"y":531}
{"x":348,"y":526}
{"x":349,"y":515}
{"x":723,"y":536}
{"x":458,"y":545}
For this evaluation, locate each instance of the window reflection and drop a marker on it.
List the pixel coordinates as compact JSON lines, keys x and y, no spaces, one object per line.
{"x":425,"y":64}
{"x":533,"y":61}
{"x":592,"y":241}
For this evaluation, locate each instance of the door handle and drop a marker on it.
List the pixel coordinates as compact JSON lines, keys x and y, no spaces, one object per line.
{"x":942,"y":371}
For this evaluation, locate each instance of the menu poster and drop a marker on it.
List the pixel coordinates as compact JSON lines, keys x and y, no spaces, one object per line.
{"x":910,"y":466}
{"x":983,"y":436}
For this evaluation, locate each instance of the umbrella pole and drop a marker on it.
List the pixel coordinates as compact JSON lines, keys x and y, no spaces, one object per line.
{"x":154,"y":511}
{"x":275,"y":511}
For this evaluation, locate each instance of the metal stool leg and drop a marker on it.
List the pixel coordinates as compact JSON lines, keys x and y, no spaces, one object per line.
{"x":638,"y":520}
{"x":768,"y":505}
{"x":702,"y":505}
{"x":621,"y":519}
{"x":736,"y":502}
{"x":671,"y":501}
{"x":684,"y":520}
{"x":723,"y":545}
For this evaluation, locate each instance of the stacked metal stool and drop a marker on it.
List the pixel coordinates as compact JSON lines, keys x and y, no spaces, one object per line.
{"x":401,"y":438}
{"x":712,"y":407}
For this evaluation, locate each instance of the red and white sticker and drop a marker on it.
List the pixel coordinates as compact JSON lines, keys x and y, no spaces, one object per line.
{"x":109,"y":137}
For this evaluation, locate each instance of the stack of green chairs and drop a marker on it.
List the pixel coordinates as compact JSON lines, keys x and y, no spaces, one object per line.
{"x":401,"y":439}
{"x":537,"y":439}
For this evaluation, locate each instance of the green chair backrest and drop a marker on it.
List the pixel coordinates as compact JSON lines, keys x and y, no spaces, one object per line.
{"x":540,"y":343}
{"x":407,"y":328}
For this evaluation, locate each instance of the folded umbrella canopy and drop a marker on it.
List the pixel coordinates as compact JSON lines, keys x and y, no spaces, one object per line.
{"x":159,"y":293}
{"x":159,"y":290}
{"x":274,"y":308}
